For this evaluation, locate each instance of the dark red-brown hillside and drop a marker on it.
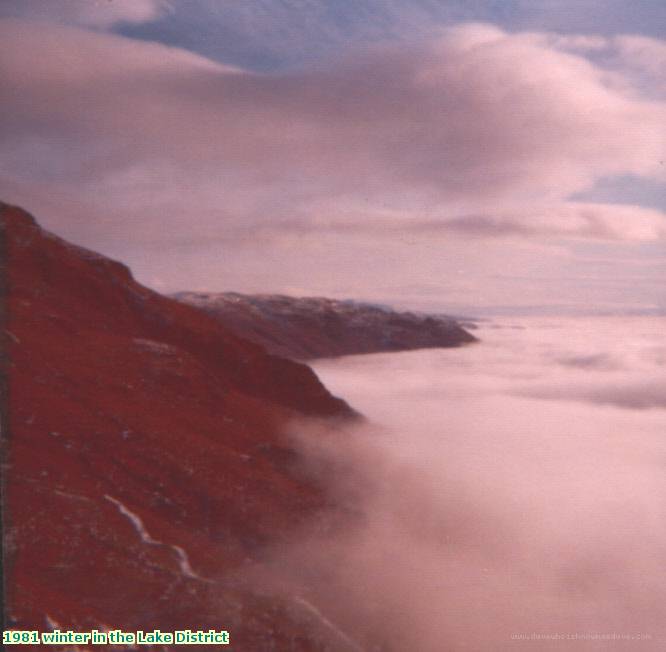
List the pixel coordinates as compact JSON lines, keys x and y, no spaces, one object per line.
{"x":142,"y":457}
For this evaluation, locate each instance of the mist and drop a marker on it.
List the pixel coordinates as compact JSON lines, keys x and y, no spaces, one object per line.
{"x":506,"y":495}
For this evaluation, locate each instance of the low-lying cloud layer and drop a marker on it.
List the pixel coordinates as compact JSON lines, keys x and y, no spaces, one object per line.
{"x":481,"y":515}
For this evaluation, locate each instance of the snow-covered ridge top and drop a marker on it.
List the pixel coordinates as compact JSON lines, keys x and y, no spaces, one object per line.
{"x":286,"y":303}
{"x":314,"y":327}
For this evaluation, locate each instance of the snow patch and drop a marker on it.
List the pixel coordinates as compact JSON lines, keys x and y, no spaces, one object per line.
{"x":351,"y":643}
{"x":53,"y":623}
{"x":184,"y":562}
{"x":136,"y":521}
{"x":161,"y":348}
{"x":66,"y":494}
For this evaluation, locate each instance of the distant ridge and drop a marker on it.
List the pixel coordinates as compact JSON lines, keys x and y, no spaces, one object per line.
{"x":305,"y":328}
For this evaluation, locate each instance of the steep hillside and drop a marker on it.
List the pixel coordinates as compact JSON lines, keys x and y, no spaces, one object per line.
{"x":143,"y":462}
{"x":308,"y":328}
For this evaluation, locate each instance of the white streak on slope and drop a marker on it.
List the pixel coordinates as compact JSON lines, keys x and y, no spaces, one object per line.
{"x":325,"y":621}
{"x":53,"y":623}
{"x":137,"y":522}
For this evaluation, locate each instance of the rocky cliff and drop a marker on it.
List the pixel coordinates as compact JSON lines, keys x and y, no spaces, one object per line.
{"x":308,"y":328}
{"x":143,"y":462}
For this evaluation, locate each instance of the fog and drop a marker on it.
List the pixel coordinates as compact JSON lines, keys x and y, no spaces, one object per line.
{"x":506,"y":495}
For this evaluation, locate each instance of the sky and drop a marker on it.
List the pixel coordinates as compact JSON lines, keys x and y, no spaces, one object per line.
{"x":485,"y":157}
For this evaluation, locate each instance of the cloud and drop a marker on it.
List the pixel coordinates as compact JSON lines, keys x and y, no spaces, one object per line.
{"x":475,"y":514}
{"x":571,"y":219}
{"x":637,"y":394}
{"x":92,"y":13}
{"x":133,"y":147}
{"x":565,"y":219}
{"x":589,"y":361}
{"x":645,"y":56}
{"x":273,"y":35}
{"x":476,"y":118}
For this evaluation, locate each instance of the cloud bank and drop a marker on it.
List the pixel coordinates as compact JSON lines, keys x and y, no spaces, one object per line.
{"x":476,"y":515}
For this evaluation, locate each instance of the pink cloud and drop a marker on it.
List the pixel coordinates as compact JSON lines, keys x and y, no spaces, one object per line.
{"x":476,"y":132}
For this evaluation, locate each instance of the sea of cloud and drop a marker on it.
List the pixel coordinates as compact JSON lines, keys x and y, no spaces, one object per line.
{"x":509,"y":495}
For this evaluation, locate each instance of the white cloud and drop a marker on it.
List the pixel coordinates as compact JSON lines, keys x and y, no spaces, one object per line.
{"x":478,"y":116}
{"x":475,"y":514}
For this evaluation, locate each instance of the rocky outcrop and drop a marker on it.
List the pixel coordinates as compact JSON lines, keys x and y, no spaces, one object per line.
{"x":308,"y":328}
{"x":144,"y":464}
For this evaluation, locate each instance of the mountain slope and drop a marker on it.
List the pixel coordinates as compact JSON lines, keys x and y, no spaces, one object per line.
{"x":143,"y":461}
{"x":310,"y":327}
